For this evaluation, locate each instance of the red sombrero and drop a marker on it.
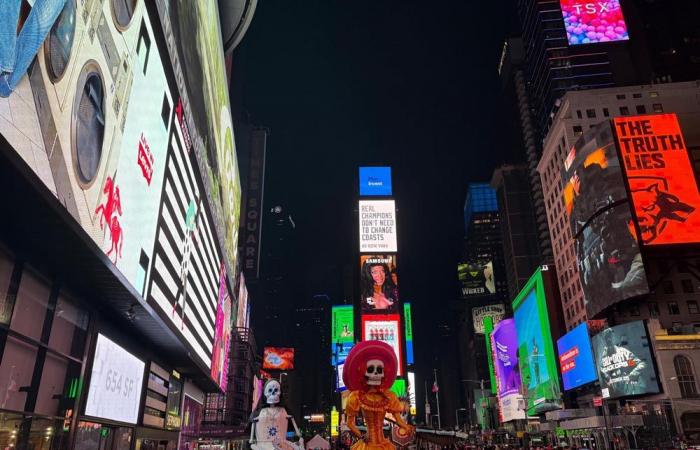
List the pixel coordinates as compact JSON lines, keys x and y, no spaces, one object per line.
{"x":356,"y":364}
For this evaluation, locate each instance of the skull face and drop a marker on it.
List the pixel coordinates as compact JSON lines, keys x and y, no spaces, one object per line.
{"x":374,"y":374}
{"x":272,"y":392}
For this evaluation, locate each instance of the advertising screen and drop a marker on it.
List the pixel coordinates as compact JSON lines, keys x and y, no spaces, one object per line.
{"x":340,"y":352}
{"x":504,"y":348}
{"x":399,"y":388}
{"x":510,"y":407}
{"x":384,"y":328}
{"x":340,"y":383}
{"x":576,"y":358}
{"x":242,"y":311}
{"x":222,"y":334}
{"x":115,"y":383}
{"x":343,"y":324}
{"x":588,"y":22}
{"x":496,"y":312}
{"x":412,"y":393}
{"x":191,"y":416}
{"x":624,"y":361}
{"x":108,"y":123}
{"x":538,"y":366}
{"x":377,"y":226}
{"x":610,"y":262}
{"x":257,"y":391}
{"x":278,"y":358}
{"x":488,"y":329}
{"x":408,"y":330}
{"x":476,"y":277}
{"x":379,"y":284}
{"x":375,"y":181}
{"x":660,"y":178}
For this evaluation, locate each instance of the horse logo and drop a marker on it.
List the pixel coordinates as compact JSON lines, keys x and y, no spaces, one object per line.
{"x":109,"y":212}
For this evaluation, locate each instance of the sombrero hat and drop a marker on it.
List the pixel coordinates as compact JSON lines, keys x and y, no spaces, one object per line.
{"x":356,"y":364}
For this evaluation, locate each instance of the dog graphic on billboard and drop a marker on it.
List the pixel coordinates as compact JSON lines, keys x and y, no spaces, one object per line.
{"x":656,"y":206}
{"x":109,"y":212}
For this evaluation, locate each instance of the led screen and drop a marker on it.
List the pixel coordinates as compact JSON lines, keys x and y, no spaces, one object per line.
{"x":343,"y":324}
{"x":476,"y":277}
{"x":379,"y":284}
{"x":115,"y":383}
{"x":488,"y":329}
{"x":375,"y":181}
{"x":408,"y":330}
{"x":479,"y":313}
{"x":278,"y":358}
{"x":222,"y":334}
{"x":595,"y":197}
{"x":576,"y":358}
{"x":242,"y":315}
{"x":340,"y":352}
{"x":191,"y":416}
{"x":504,"y":352}
{"x":339,"y":379}
{"x":588,"y":22}
{"x":257,"y":391}
{"x":624,"y":362}
{"x":538,"y":367}
{"x":660,"y":178}
{"x":377,"y":226}
{"x":384,"y":328}
{"x":412,"y":393}
{"x":399,"y":388}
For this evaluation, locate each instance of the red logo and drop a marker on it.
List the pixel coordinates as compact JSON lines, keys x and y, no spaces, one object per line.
{"x":145,"y":159}
{"x":179,"y":111}
{"x":109,"y":212}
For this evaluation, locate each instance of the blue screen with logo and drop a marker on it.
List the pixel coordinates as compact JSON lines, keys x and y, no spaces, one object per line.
{"x":375,"y":181}
{"x":576,"y":358}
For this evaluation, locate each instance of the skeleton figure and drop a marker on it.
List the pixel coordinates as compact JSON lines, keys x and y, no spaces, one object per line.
{"x":269,"y":425}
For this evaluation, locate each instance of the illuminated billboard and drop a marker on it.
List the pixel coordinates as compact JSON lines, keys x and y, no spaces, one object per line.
{"x":339,"y":379}
{"x":624,"y":361}
{"x":660,"y":178}
{"x":537,"y":360}
{"x":379,"y":287}
{"x":576,"y":358}
{"x":412,"y":393}
{"x":343,"y":324}
{"x":479,"y":313}
{"x":340,"y":352}
{"x":385,"y":328}
{"x":408,"y":330}
{"x":278,"y":358}
{"x":608,"y":255}
{"x":476,"y":277}
{"x":375,"y":181}
{"x":504,"y":352}
{"x":488,"y":329}
{"x":377,"y":226}
{"x":222,"y":334}
{"x":588,"y":22}
{"x":242,"y":315}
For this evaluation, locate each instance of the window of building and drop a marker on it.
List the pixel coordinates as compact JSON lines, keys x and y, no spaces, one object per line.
{"x":685,"y":376}
{"x":687,"y":286}
{"x":578,"y":130}
{"x":637,"y":95}
{"x":641,"y":109}
{"x":653,"y":309}
{"x":606,"y":112}
{"x":693,"y":307}
{"x":673,"y":308}
{"x":624,"y":111}
{"x":621,"y":96}
{"x":668,"y":287}
{"x":579,"y":115}
{"x":658,"y":107}
{"x":590,"y":113}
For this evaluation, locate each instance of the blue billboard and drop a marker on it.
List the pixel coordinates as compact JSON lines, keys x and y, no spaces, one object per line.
{"x":375,"y":181}
{"x":576,"y":358}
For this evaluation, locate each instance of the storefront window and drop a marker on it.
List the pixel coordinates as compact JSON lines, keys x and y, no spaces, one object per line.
{"x":16,"y":372}
{"x":30,"y":308}
{"x":9,"y":427}
{"x":95,"y":436}
{"x":69,"y":328}
{"x":6,"y":301}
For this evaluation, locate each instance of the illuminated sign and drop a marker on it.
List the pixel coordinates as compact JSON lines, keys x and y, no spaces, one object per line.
{"x":377,"y":226}
{"x":222,"y":334}
{"x":576,"y":358}
{"x":317,"y":418}
{"x":343,"y":324}
{"x":660,"y":178}
{"x":242,"y":315}
{"x":588,"y":22}
{"x":379,"y":284}
{"x":504,"y":352}
{"x":335,"y":422}
{"x":496,"y":312}
{"x":412,"y":393}
{"x":375,"y":181}
{"x":408,"y":330}
{"x":278,"y":358}
{"x":399,"y":387}
{"x":476,"y":277}
{"x":340,"y":383}
{"x":488,"y":329}
{"x":384,"y":328}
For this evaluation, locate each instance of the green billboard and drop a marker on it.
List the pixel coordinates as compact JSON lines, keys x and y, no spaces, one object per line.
{"x":488,"y":329}
{"x":343,"y":324}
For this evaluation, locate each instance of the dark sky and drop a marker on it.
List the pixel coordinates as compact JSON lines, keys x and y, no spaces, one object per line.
{"x":409,"y":84}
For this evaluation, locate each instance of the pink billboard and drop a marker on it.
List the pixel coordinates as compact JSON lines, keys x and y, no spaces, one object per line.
{"x":588,"y":22}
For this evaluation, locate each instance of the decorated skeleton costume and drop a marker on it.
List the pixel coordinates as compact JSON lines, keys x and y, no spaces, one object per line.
{"x":269,"y":424}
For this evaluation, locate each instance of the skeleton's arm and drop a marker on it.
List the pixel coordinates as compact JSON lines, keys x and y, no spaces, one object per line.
{"x":252,"y":430}
{"x":296,"y":431}
{"x":400,"y":422}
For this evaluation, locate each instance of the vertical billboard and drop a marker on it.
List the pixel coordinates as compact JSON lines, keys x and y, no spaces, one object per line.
{"x":624,"y":361}
{"x":660,"y":178}
{"x":479,"y":313}
{"x":610,"y":263}
{"x":222,"y":334}
{"x":504,"y":348}
{"x":379,"y":284}
{"x":476,"y":277}
{"x":278,"y":358}
{"x":384,"y":328}
{"x":377,"y":226}
{"x":588,"y":22}
{"x":342,"y":332}
{"x":412,"y":393}
{"x":576,"y":358}
{"x":375,"y":181}
{"x":252,"y":218}
{"x":242,"y":315}
{"x":408,"y":330}
{"x":488,"y":329}
{"x":537,"y":360}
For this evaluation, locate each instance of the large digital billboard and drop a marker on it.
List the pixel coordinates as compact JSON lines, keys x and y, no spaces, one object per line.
{"x":408,"y":330}
{"x":375,"y":181}
{"x":242,"y":313}
{"x":476,"y":277}
{"x":624,"y":361}
{"x":115,"y":383}
{"x":278,"y":358}
{"x":343,"y":324}
{"x":479,"y":313}
{"x":412,"y":393}
{"x":660,"y":178}
{"x":379,"y":284}
{"x":222,"y":334}
{"x":504,"y":352}
{"x":609,"y":259}
{"x":385,"y":328}
{"x":576,"y":358}
{"x":108,"y":119}
{"x":588,"y":22}
{"x":377,"y":226}
{"x":538,"y":364}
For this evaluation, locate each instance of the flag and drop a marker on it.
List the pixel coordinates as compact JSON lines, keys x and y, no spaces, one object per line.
{"x":435,"y":387}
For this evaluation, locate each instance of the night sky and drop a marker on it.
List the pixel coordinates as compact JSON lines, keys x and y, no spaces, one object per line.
{"x":412,"y":85}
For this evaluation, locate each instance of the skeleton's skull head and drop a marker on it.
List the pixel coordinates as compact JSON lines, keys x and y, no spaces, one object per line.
{"x":272,"y":392}
{"x":374,"y":374}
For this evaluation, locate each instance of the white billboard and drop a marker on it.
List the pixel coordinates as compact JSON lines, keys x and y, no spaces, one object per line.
{"x":497,"y":312}
{"x":115,"y":383}
{"x":377,"y":226}
{"x":511,"y":407}
{"x":412,"y":393}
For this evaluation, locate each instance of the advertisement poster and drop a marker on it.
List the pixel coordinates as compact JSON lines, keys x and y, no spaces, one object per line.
{"x":339,"y":380}
{"x":377,"y":226}
{"x":343,"y":324}
{"x":379,"y":284}
{"x":476,"y":277}
{"x":375,"y":181}
{"x":257,"y":391}
{"x":538,"y":366}
{"x":496,"y":312}
{"x":608,"y":255}
{"x":115,"y":383}
{"x":222,"y":334}
{"x":504,"y":348}
{"x":408,"y":330}
{"x":278,"y":358}
{"x":624,"y":361}
{"x":576,"y":358}
{"x":412,"y":393}
{"x":384,"y":328}
{"x":340,"y":351}
{"x":660,"y":178}
{"x":191,"y":420}
{"x":242,"y":311}
{"x":588,"y":22}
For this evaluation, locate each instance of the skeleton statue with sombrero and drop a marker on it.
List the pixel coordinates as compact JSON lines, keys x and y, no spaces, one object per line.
{"x":370,"y":370}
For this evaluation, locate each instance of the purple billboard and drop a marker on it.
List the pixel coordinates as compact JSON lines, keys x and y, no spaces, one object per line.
{"x":505,"y":349}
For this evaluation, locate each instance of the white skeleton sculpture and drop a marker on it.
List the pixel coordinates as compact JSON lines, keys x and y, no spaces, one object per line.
{"x":269,"y":428}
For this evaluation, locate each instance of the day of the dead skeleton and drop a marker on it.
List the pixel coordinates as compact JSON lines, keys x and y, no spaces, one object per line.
{"x":269,"y":425}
